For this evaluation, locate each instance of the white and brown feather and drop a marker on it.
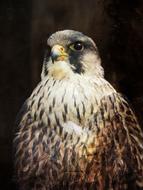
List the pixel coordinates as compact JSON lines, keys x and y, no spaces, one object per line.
{"x":78,"y":133}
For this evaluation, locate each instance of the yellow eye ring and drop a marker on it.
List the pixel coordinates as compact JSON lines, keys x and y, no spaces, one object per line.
{"x":77,"y":46}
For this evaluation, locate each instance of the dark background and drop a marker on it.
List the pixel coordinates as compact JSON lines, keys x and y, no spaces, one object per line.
{"x":115,"y":25}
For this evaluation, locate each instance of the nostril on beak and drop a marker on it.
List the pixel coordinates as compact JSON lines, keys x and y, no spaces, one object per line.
{"x":62,"y":49}
{"x":58,"y":53}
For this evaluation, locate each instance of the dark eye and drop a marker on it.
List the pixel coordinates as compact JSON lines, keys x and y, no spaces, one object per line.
{"x":77,"y":46}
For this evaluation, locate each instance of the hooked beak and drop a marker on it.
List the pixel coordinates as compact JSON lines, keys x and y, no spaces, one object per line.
{"x":58,"y":53}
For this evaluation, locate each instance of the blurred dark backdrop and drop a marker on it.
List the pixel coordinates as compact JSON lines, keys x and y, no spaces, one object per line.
{"x":115,"y":25}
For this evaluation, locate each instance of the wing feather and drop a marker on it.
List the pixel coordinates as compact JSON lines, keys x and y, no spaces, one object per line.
{"x":118,"y":163}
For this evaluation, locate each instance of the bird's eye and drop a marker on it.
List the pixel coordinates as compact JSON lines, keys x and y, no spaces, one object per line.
{"x":77,"y":46}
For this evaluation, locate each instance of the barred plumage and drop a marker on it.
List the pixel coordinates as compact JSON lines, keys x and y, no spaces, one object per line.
{"x":76,"y":132}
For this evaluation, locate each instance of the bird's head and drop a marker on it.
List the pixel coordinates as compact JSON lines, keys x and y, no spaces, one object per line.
{"x":71,"y":52}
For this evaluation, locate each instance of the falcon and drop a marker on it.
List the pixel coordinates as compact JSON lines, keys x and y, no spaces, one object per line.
{"x":76,"y":131}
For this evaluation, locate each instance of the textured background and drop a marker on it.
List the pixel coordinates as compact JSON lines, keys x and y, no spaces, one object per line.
{"x":115,"y":25}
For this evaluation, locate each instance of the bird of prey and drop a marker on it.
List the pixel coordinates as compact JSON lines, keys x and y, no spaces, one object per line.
{"x":76,"y":131}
